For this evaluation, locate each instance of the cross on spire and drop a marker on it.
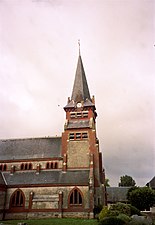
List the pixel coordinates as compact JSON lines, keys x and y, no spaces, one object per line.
{"x":79,"y":46}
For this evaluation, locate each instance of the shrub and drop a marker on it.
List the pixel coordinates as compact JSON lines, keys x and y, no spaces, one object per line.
{"x":126,"y":209}
{"x":121,"y":208}
{"x":124,"y":217}
{"x":111,"y":221}
{"x":103,"y":213}
{"x":113,"y":213}
{"x":134,"y":210}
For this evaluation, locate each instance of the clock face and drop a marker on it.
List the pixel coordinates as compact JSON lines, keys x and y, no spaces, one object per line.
{"x":79,"y":104}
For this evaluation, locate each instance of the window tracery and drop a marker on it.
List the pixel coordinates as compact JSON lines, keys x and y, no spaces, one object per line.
{"x":75,"y":197}
{"x":17,"y":199}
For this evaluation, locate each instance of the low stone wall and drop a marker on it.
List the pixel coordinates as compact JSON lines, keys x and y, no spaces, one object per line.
{"x":32,"y":215}
{"x":45,"y":215}
{"x":84,"y":215}
{"x":16,"y":216}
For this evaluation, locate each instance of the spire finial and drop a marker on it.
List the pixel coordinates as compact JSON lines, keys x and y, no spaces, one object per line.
{"x":79,"y":45}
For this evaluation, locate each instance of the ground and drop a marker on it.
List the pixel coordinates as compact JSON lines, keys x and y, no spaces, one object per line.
{"x":64,"y":221}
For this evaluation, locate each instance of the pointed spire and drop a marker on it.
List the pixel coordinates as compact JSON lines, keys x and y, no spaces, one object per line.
{"x":80,"y":89}
{"x":80,"y":92}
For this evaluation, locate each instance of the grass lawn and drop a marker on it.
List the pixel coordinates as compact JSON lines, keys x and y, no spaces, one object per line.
{"x":53,"y":221}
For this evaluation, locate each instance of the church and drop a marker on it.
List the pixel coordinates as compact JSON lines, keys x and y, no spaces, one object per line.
{"x":55,"y":176}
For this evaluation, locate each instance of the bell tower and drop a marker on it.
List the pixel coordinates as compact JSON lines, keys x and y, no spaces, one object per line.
{"x":80,"y":145}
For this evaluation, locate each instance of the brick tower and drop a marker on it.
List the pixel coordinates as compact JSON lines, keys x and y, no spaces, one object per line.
{"x":80,"y":145}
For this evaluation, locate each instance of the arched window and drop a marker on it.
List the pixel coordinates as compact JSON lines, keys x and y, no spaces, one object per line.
{"x":26,"y":166}
{"x":22,"y":166}
{"x":30,"y":166}
{"x":47,"y":165}
{"x":17,"y":199}
{"x":51,"y":165}
{"x":75,"y":197}
{"x":4,"y":167}
{"x":56,"y":165}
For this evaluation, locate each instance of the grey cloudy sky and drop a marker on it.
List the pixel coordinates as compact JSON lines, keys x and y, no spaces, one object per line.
{"x":38,"y":58}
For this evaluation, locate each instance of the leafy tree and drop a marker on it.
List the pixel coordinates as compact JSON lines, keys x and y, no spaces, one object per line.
{"x":126,"y":181}
{"x":141,"y":197}
{"x":107,"y":182}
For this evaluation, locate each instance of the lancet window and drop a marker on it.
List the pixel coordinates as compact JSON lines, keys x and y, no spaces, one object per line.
{"x":3,"y":167}
{"x":26,"y":166}
{"x":51,"y":165}
{"x":75,"y":197}
{"x":17,"y":199}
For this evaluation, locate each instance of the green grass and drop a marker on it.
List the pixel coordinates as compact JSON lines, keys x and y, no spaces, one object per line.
{"x":54,"y":221}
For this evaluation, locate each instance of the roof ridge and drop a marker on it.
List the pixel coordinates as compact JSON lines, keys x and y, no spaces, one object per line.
{"x":29,"y":138}
{"x":4,"y":178}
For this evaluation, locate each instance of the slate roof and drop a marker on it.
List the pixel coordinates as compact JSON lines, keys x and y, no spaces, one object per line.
{"x":117,"y":194}
{"x":86,"y":103}
{"x":78,"y":124}
{"x":1,"y":179}
{"x":80,"y":89}
{"x":28,"y":178}
{"x":151,"y":183}
{"x":71,"y":104}
{"x":30,"y":148}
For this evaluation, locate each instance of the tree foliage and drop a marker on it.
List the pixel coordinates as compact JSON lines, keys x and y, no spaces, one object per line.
{"x":107,"y":182}
{"x":112,"y":221}
{"x":127,"y":181}
{"x":118,"y":208}
{"x":141,"y":197}
{"x":119,"y":213}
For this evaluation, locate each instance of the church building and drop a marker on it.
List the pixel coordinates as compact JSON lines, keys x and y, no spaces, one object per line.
{"x":55,"y":176}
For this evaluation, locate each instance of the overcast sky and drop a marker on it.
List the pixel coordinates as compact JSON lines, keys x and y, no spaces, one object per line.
{"x":38,"y":59}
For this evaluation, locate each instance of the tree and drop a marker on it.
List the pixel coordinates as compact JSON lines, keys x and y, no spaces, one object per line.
{"x":107,"y":182}
{"x":141,"y":197}
{"x":126,"y":181}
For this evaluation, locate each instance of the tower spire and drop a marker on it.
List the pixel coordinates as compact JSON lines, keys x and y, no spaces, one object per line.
{"x":80,"y":89}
